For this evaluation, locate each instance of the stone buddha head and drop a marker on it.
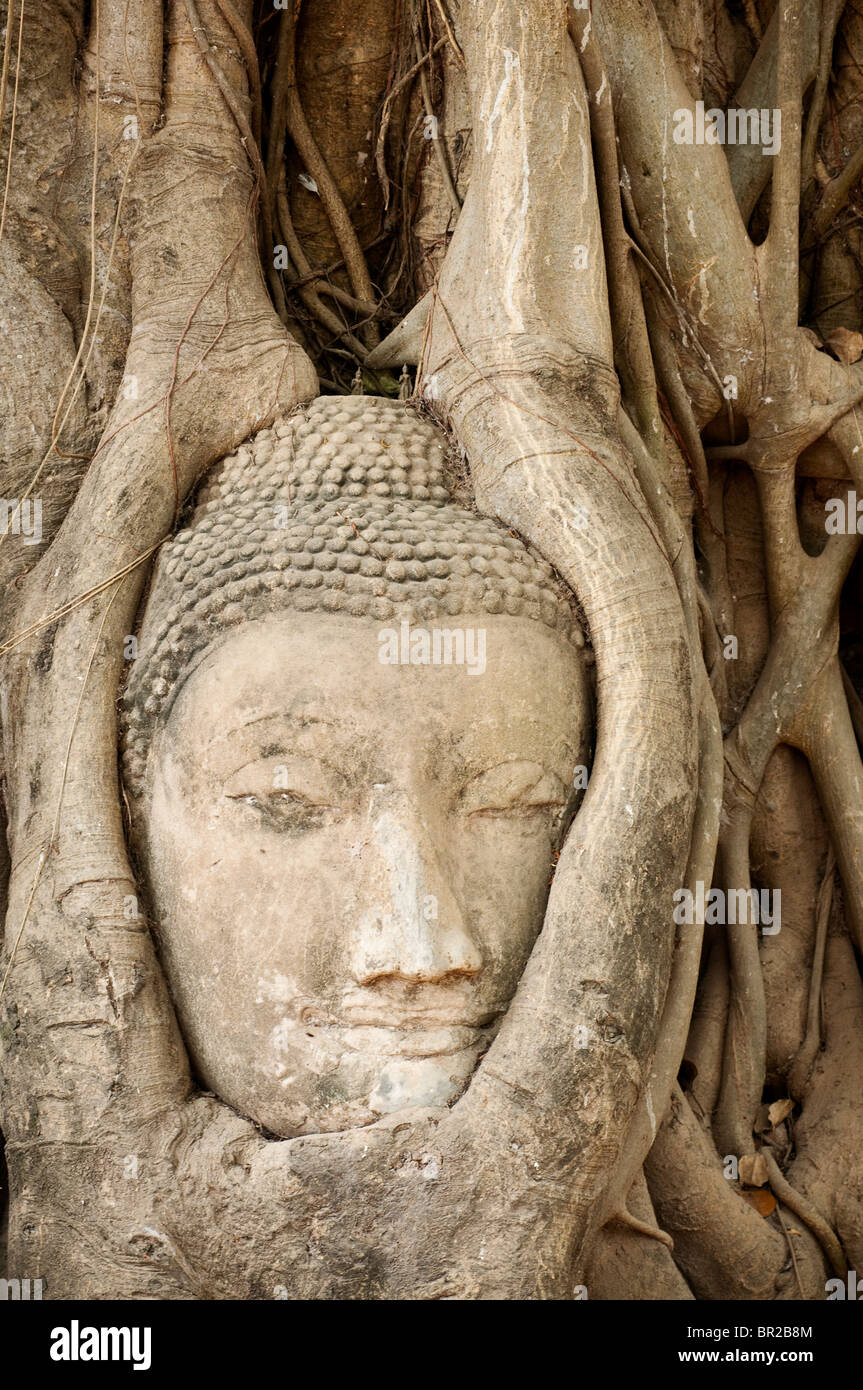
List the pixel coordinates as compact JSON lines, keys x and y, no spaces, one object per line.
{"x":350,"y":741}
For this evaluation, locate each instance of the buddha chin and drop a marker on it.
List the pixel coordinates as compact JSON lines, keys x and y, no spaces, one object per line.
{"x":348,"y":861}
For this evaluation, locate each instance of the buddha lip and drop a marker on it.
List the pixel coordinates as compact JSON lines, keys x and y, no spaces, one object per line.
{"x":443,"y":1040}
{"x":415,"y":1022}
{"x":412,"y":1025}
{"x":418,"y":1021}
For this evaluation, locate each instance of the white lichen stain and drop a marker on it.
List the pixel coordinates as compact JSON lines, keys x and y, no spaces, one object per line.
{"x":650,"y":1115}
{"x":511,"y":63}
{"x":277,"y":989}
{"x":515,"y":278}
{"x":704,"y":290}
{"x":585,"y":169}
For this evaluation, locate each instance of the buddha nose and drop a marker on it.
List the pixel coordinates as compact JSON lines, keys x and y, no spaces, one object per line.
{"x":415,"y":930}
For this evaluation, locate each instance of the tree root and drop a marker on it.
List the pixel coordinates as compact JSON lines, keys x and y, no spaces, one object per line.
{"x":286,"y":98}
{"x":622,"y":1217}
{"x":795,"y":1202}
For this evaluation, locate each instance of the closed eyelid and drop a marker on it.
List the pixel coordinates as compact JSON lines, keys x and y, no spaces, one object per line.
{"x":283,"y":772}
{"x":513,"y":784}
{"x":308,"y":740}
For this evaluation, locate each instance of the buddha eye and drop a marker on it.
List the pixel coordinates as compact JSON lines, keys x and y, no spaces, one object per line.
{"x":271,"y":791}
{"x":515,"y":791}
{"x":286,"y":810}
{"x":520,"y":810}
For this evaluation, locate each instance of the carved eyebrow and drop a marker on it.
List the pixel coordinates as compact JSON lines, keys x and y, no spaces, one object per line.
{"x":517,"y":778}
{"x":473,"y":758}
{"x":225,"y":769}
{"x":303,"y":719}
{"x":291,"y":759}
{"x":270,"y":736}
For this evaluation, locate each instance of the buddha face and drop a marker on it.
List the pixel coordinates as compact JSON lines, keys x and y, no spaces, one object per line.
{"x":349,"y":860}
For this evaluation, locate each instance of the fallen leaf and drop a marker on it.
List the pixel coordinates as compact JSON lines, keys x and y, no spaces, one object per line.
{"x":779,"y":1111}
{"x":763,"y":1202}
{"x":847,"y":344}
{"x":753,"y":1170}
